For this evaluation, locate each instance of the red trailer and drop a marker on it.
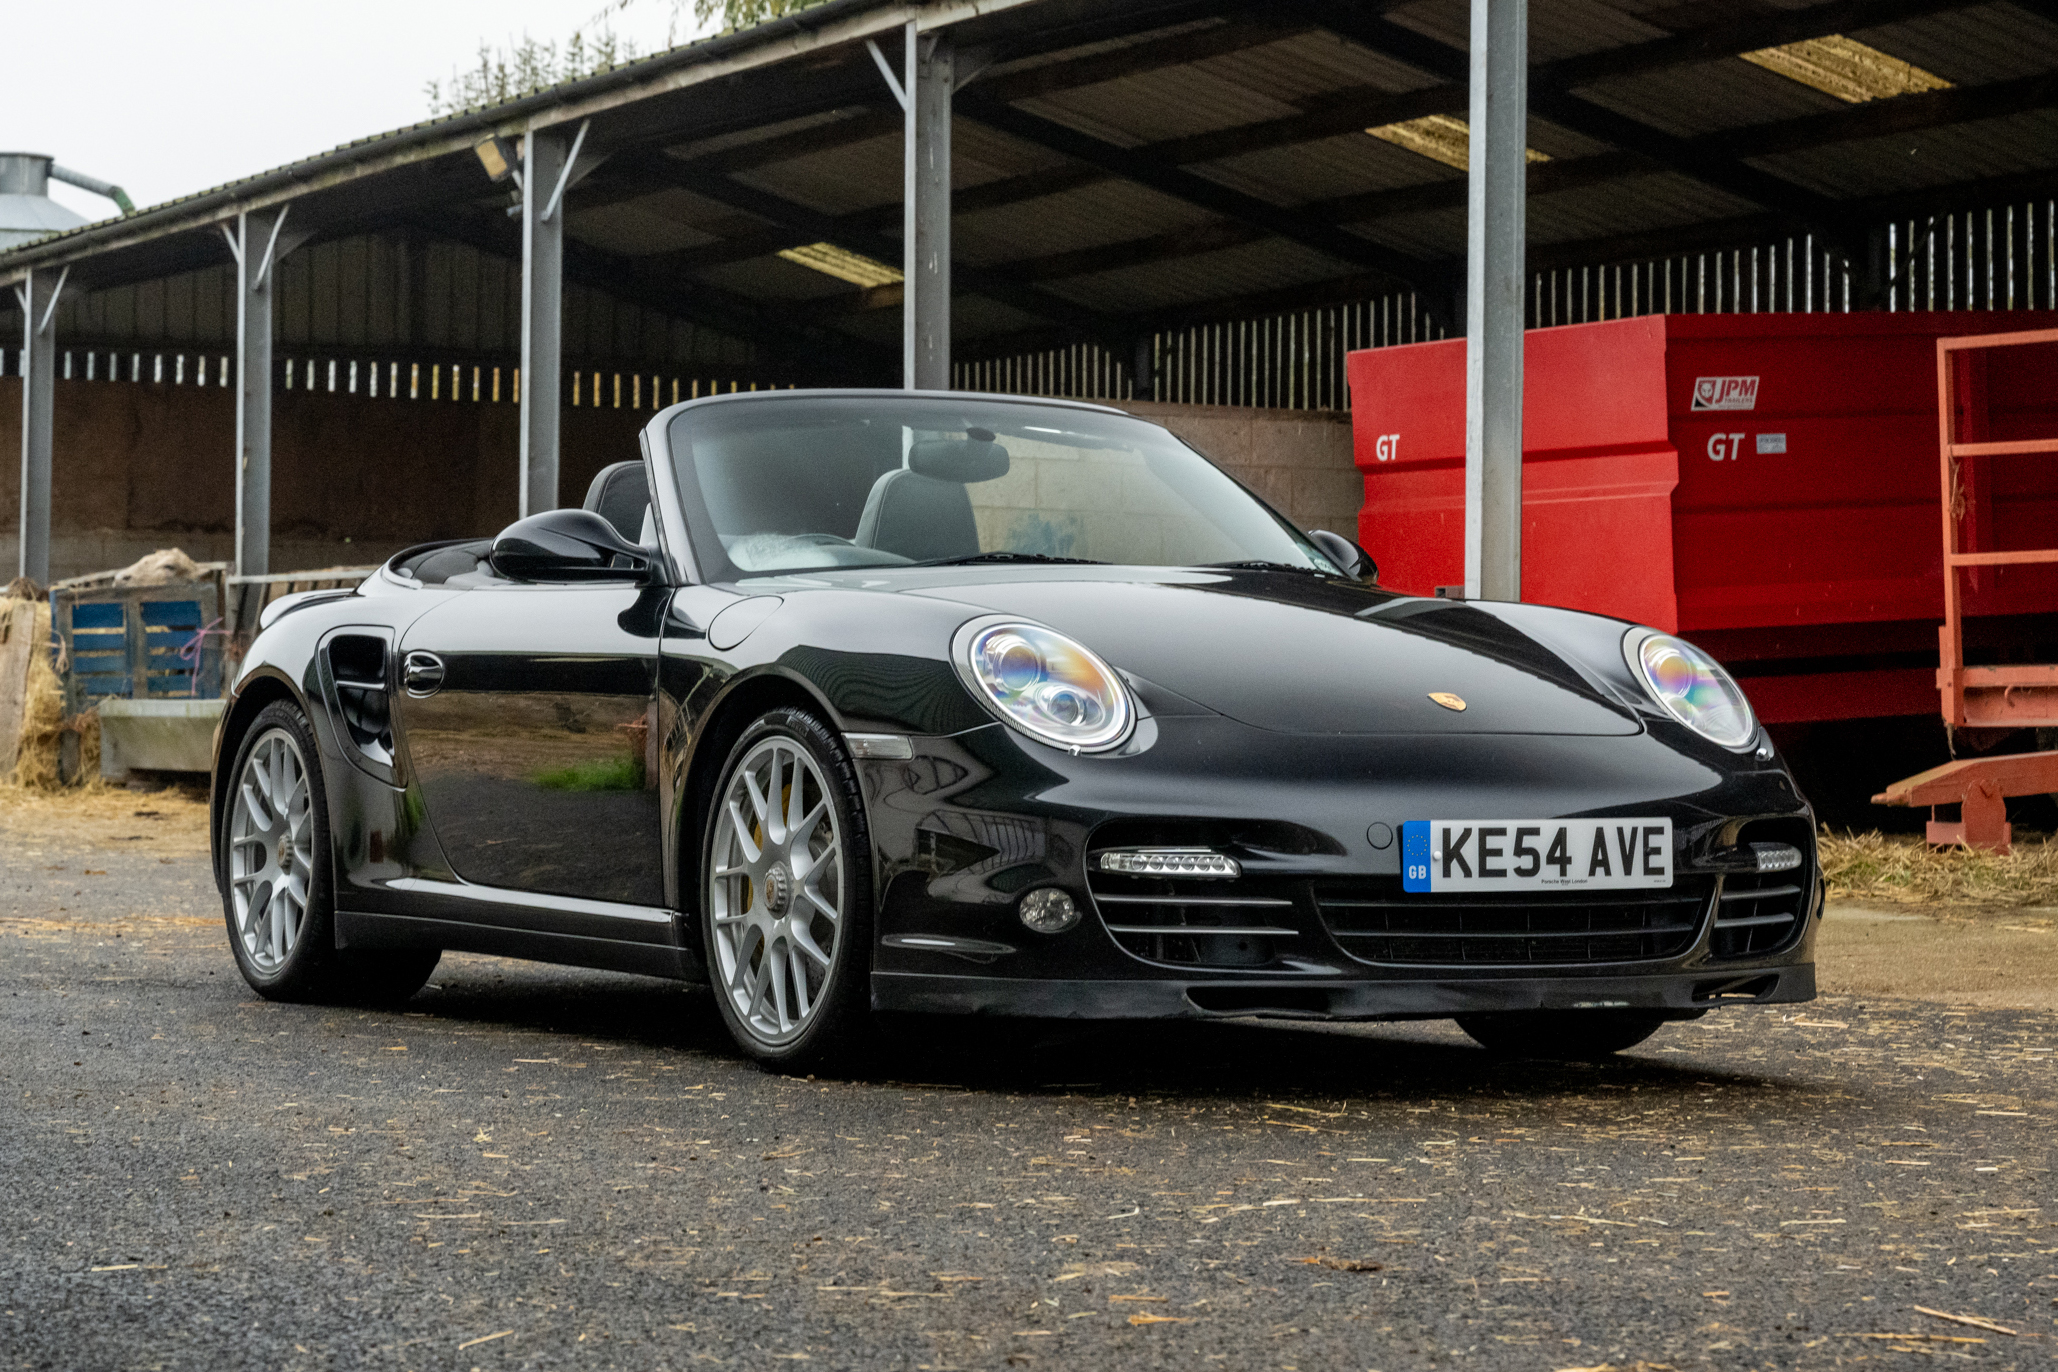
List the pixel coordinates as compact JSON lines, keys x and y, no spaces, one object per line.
{"x":1765,"y":484}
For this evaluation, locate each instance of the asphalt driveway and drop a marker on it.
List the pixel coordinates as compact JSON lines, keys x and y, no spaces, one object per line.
{"x":536,"y":1167}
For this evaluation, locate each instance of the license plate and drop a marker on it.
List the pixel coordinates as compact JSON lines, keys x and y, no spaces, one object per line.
{"x":1535,"y":855}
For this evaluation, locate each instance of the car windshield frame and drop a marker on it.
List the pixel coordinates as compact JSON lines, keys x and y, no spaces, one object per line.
{"x":710,"y":556}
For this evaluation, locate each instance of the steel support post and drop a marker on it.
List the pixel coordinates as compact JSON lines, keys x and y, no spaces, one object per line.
{"x":38,"y":296}
{"x":545,"y":167}
{"x":257,"y":250}
{"x":931,"y":78}
{"x":1494,"y":229}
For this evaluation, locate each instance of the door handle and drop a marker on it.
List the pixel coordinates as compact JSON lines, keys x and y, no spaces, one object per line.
{"x":422,"y":674}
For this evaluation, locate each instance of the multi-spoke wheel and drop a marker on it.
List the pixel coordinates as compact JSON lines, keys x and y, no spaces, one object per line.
{"x":786,"y":892}
{"x":271,"y":850}
{"x":276,"y":891}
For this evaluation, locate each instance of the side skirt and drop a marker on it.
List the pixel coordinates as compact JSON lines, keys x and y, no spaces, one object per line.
{"x":357,"y":930}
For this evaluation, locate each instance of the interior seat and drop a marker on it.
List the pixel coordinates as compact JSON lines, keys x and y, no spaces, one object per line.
{"x":437,"y":566}
{"x":922,"y":511}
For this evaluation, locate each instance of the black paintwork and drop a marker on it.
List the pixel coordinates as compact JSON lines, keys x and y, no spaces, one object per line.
{"x":541,"y":797}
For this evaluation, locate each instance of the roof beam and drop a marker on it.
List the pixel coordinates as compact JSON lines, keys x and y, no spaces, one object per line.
{"x":819,"y":227}
{"x":1614,"y":250}
{"x":1903,"y":114}
{"x":1875,"y":119}
{"x":1583,"y":116}
{"x":1209,"y":236}
{"x":820,"y":354}
{"x":1362,"y":107}
{"x":864,"y":122}
{"x":1138,"y":166}
{"x":1755,"y":230}
{"x":1236,"y":34}
{"x":759,"y":239}
{"x":1879,"y":118}
{"x":1366,"y":106}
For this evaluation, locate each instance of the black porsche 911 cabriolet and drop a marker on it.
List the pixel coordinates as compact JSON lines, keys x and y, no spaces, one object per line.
{"x":860,"y":701}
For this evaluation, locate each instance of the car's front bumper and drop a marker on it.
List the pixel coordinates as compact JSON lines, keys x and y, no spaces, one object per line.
{"x":972,"y":822}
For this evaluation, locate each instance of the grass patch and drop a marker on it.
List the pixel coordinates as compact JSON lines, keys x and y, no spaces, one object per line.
{"x":1902,"y":868}
{"x":600,"y":774}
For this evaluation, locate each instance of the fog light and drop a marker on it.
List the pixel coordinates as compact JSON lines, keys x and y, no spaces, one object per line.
{"x":1776,"y":857}
{"x":1171,"y":862}
{"x":1048,"y":910}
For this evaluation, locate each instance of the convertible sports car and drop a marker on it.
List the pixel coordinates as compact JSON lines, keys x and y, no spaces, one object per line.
{"x":857,"y":701}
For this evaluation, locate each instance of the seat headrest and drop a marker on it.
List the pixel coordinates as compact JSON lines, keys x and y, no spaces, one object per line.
{"x":620,"y":494}
{"x":958,"y":459}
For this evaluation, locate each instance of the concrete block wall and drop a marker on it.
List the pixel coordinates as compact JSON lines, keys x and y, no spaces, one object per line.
{"x":141,"y":466}
{"x":1298,"y":461}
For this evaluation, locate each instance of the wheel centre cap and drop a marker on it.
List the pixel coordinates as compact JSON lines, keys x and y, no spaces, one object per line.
{"x":282,"y":849}
{"x":778,"y":888}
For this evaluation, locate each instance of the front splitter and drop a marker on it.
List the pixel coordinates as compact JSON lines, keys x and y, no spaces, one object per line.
{"x":1701,"y":989}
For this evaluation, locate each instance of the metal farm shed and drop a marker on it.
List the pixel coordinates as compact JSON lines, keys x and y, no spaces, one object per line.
{"x":1202,"y":201}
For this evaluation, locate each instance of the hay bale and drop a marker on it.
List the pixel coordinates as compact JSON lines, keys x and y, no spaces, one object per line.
{"x":1903,"y":869}
{"x":160,"y":568}
{"x":44,"y":725}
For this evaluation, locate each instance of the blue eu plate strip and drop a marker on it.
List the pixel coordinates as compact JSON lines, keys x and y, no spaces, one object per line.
{"x":1415,"y":855}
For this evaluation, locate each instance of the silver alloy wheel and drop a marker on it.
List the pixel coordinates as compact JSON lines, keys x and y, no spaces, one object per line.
{"x":775,"y":890}
{"x":271,"y":850}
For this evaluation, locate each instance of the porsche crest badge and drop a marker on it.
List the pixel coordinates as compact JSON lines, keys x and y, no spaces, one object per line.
{"x":1448,"y":700}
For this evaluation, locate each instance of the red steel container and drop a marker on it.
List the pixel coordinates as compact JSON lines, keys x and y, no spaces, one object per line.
{"x":1765,"y":484}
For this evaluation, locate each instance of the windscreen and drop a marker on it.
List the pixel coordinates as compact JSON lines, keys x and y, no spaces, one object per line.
{"x":801,"y":483}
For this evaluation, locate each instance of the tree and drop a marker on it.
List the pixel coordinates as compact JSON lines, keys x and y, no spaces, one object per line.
{"x":525,"y":67}
{"x":741,"y":14}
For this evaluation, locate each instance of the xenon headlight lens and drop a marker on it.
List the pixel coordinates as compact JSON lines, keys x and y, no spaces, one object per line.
{"x":1693,"y":688}
{"x":1047,"y":686}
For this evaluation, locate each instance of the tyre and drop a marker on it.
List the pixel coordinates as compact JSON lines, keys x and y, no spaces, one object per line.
{"x":279,"y":895}
{"x":1564,"y":1035}
{"x":786,"y":896}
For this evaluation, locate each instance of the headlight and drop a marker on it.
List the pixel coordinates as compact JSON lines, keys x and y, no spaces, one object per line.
{"x":1690,"y":685}
{"x":1046,"y":685}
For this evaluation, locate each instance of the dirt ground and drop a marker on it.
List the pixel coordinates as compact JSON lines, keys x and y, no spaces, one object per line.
{"x":1994,"y":957}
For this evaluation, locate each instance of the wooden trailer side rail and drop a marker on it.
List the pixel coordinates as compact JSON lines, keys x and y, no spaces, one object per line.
{"x":2011,"y":697}
{"x":2015,"y":696}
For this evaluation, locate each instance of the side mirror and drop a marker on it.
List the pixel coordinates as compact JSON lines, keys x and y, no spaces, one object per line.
{"x":567,"y":545}
{"x":1354,"y":561}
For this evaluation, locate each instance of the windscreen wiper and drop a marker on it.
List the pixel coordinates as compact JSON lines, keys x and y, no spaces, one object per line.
{"x":1008,"y":557}
{"x":1259,"y":564}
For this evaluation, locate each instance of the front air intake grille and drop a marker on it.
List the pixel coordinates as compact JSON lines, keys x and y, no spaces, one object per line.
{"x":1757,"y":913}
{"x":1379,"y":924}
{"x":1193,"y":923}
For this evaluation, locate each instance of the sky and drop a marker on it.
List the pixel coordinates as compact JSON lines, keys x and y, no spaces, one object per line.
{"x":168,"y":97}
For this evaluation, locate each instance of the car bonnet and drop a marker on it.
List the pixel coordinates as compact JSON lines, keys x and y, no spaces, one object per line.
{"x":1291,"y":655}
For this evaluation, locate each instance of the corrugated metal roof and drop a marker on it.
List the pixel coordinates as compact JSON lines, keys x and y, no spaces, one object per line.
{"x":1985,"y":43}
{"x":1933,"y":157}
{"x":1104,"y":212}
{"x":658,"y":223}
{"x":1158,"y":105}
{"x":1348,"y":164}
